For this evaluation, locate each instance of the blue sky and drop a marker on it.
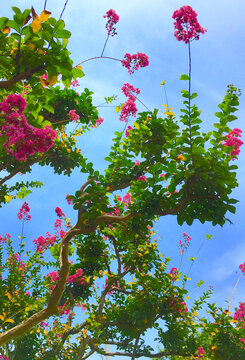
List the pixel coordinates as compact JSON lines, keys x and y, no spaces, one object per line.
{"x":217,"y":60}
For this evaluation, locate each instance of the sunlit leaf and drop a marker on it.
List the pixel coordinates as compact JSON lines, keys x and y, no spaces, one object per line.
{"x":36,"y":25}
{"x":53,"y":80}
{"x":44,"y":15}
{"x":7,"y":198}
{"x":6,"y":30}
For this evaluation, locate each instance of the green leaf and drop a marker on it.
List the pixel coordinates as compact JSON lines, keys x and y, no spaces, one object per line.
{"x":64,"y":34}
{"x":16,"y":10}
{"x":184,"y":77}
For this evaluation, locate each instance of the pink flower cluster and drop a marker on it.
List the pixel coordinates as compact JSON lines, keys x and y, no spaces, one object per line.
{"x":77,"y":277}
{"x":4,"y":239}
{"x":4,"y":357}
{"x":240,"y":312}
{"x":178,"y":305}
{"x":133,"y":62}
{"x":242,"y":267}
{"x":142,"y":178}
{"x":126,"y":199}
{"x":69,"y":201}
{"x":174,"y":273}
{"x":183,"y":245}
{"x":23,"y":212}
{"x":98,"y":122}
{"x":14,"y":260}
{"x":59,"y":212}
{"x":200,"y":352}
{"x":186,"y":25}
{"x":65,"y":309}
{"x":73,"y":116}
{"x":22,"y":139}
{"x":75,"y":83}
{"x":234,"y":142}
{"x":43,"y":243}
{"x":129,"y":107}
{"x":127,"y":130}
{"x":112,"y":19}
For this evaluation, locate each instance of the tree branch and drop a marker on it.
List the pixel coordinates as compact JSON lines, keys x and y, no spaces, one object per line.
{"x":24,"y":75}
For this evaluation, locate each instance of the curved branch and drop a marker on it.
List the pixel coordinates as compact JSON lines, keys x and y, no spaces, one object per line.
{"x":24,"y":75}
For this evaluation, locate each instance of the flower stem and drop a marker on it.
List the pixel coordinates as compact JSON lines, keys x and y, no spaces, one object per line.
{"x":105,"y":45}
{"x":234,"y":290}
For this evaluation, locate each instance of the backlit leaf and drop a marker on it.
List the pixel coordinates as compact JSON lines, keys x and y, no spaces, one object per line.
{"x":6,"y":30}
{"x":36,"y":25}
{"x":44,"y":15}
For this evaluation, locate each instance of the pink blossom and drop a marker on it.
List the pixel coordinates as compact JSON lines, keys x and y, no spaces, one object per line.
{"x":142,"y":178}
{"x":22,"y":139}
{"x":77,"y":277}
{"x":128,"y":109}
{"x":184,"y":245}
{"x":58,"y":224}
{"x":75,"y":83}
{"x":127,"y":199}
{"x":127,"y":130}
{"x":112,"y":19}
{"x":173,"y":271}
{"x":43,"y":324}
{"x":62,"y":233}
{"x":162,"y":175}
{"x":240,"y":312}
{"x":200,"y":352}
{"x":3,"y":240}
{"x":186,"y":25}
{"x":137,"y":163}
{"x":73,"y":116}
{"x":234,"y":142}
{"x":59,"y":212}
{"x":98,"y":122}
{"x":133,"y":62}
{"x":242,"y":267}
{"x":43,"y":243}
{"x":69,"y":201}
{"x":128,"y":89}
{"x":23,"y":212}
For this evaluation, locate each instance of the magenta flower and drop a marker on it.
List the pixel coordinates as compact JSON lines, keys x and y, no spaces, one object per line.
{"x":112,"y":19}
{"x":242,"y":267}
{"x":240,"y":312}
{"x":127,"y":130}
{"x":173,"y":271}
{"x":142,"y":178}
{"x":23,"y":212}
{"x":73,"y":116}
{"x":59,"y":212}
{"x":133,"y":62}
{"x":75,"y":83}
{"x":186,"y":26}
{"x":200,"y":352}
{"x":98,"y":122}
{"x":22,"y":139}
{"x":234,"y":142}
{"x":69,"y":201}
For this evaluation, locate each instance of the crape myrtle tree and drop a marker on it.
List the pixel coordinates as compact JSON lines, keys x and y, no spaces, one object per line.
{"x":107,"y":283}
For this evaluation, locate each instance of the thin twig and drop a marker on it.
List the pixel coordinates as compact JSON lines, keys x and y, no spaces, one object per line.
{"x":63,"y":10}
{"x":105,"y":45}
